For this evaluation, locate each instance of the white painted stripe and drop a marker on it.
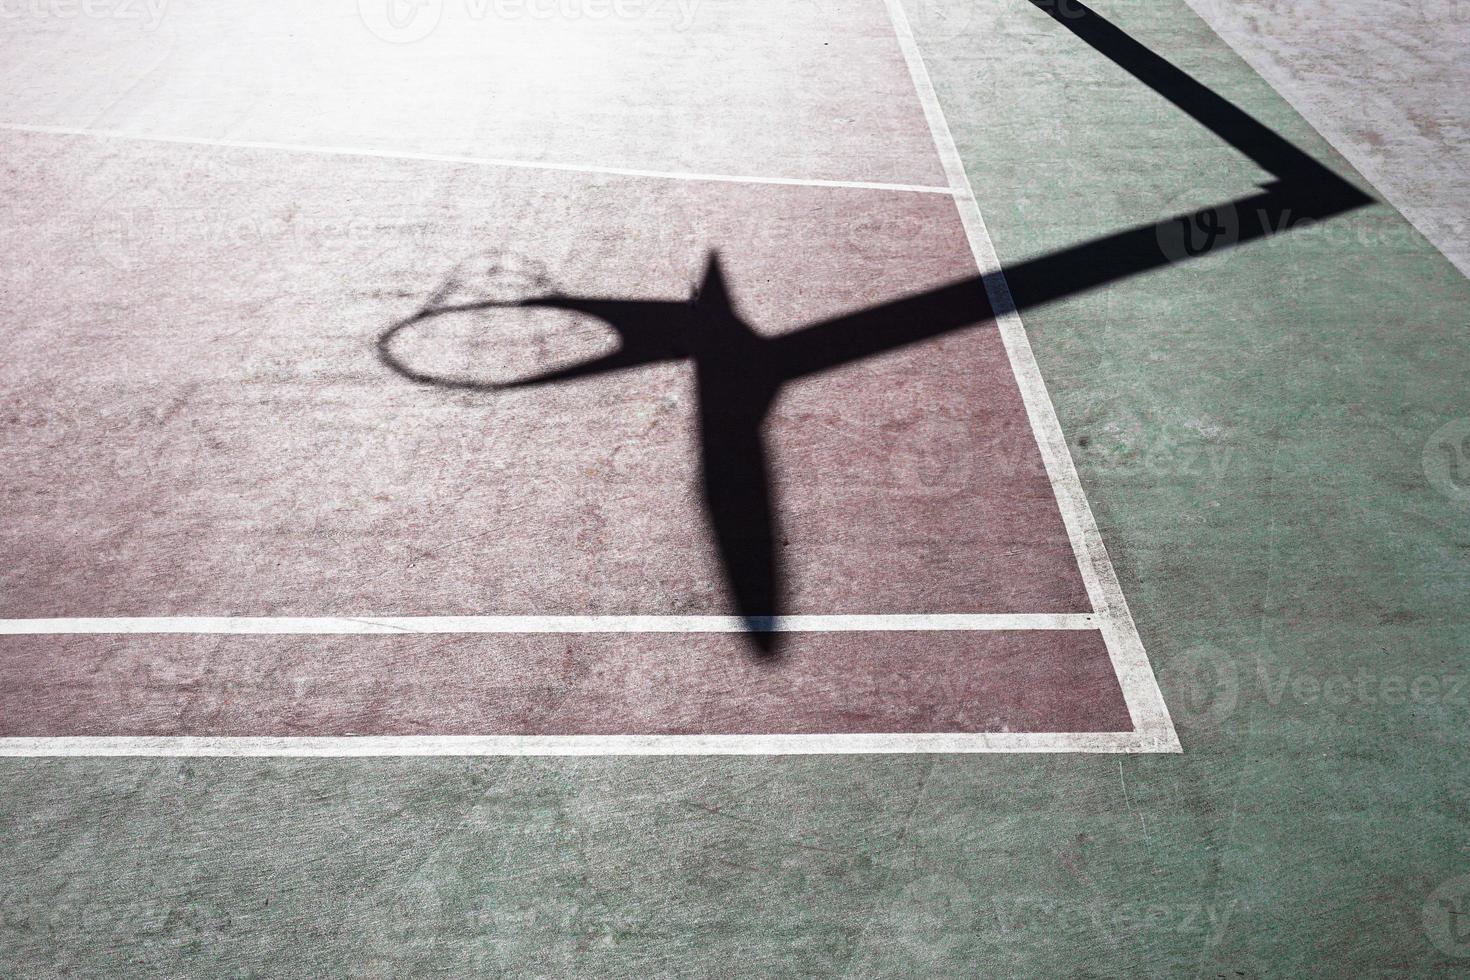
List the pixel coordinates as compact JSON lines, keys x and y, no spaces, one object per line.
{"x":245,"y":625}
{"x":358,"y":746}
{"x":1140,"y":688}
{"x":580,"y":168}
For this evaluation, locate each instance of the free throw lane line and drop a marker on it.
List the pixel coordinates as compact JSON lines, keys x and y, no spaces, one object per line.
{"x":359,"y":746}
{"x":245,"y":625}
{"x":1136,"y":677}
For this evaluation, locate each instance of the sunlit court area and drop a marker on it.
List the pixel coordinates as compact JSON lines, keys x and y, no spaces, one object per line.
{"x":734,"y":488}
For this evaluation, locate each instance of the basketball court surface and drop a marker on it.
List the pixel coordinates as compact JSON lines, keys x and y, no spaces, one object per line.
{"x":695,"y":379}
{"x":294,"y":528}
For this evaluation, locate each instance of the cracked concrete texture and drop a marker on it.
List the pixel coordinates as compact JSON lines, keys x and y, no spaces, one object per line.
{"x":1386,"y":81}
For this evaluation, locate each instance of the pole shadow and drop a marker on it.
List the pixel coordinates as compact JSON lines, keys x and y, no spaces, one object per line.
{"x":739,"y":374}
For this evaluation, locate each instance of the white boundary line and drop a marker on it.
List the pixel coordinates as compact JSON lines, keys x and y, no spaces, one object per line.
{"x":348,"y":151}
{"x":397,"y":625}
{"x":359,"y":746}
{"x":1136,"y":677}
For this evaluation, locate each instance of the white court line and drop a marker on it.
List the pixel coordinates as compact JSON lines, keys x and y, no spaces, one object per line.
{"x":351,"y":625}
{"x":1136,"y":677}
{"x":359,"y":746}
{"x":578,"y":168}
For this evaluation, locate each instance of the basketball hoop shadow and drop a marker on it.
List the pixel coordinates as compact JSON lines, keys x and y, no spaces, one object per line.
{"x":739,"y":373}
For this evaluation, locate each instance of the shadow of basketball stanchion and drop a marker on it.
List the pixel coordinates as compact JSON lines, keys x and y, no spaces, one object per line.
{"x":500,"y":324}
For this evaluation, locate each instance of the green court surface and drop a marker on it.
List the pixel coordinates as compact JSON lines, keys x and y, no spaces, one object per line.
{"x":1271,"y":438}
